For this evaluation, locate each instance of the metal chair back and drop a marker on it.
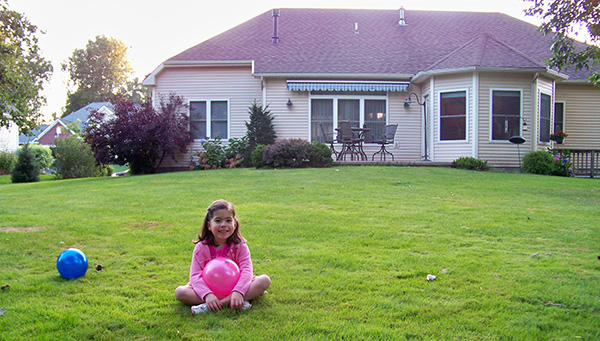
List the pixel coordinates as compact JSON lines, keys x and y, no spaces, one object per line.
{"x":390,"y":132}
{"x":346,"y":133}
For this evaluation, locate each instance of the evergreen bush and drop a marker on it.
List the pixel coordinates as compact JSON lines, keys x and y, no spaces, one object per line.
{"x":538,"y":162}
{"x":26,"y":169}
{"x":260,"y":129}
{"x":320,"y":155}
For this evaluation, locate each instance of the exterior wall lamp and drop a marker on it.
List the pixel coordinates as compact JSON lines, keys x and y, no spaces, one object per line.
{"x":407,"y":103}
{"x":289,"y":103}
{"x":525,"y":127}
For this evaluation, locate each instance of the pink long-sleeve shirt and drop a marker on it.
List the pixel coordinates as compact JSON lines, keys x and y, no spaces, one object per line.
{"x":239,"y":253}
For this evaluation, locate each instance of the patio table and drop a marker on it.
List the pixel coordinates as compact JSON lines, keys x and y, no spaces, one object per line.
{"x":355,"y":147}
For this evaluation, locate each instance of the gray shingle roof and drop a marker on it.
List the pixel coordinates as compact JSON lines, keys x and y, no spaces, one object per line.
{"x":82,"y":114}
{"x":323,"y":41}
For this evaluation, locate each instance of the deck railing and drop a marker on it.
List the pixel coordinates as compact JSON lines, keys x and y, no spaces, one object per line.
{"x":586,"y":162}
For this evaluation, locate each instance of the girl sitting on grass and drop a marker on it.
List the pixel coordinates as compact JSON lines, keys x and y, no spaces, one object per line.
{"x":221,"y":237}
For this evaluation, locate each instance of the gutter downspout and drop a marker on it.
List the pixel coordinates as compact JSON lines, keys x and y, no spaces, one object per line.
{"x":476,"y":114}
{"x":263,"y":87}
{"x":534,"y":112}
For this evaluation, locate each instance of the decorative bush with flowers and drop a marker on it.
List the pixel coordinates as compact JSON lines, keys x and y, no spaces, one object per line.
{"x":563,"y":165}
{"x":559,"y":136}
{"x":551,"y":162}
{"x":214,"y":155}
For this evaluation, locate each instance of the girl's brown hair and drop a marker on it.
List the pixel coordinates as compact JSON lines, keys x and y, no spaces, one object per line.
{"x":207,"y":237}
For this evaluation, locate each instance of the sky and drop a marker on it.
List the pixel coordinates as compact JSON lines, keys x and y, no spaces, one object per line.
{"x":154,"y":30}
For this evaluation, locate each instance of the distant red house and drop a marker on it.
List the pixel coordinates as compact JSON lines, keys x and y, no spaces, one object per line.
{"x":47,"y":134}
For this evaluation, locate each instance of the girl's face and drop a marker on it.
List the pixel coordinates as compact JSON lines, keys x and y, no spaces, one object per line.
{"x":222,"y":226}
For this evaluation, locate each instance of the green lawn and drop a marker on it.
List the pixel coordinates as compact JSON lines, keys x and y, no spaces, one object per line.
{"x":348,"y":250}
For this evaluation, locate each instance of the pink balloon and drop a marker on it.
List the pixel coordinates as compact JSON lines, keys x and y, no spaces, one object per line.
{"x":221,"y":275}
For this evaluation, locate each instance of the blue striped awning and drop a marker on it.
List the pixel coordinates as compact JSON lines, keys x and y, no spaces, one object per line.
{"x":347,"y":86}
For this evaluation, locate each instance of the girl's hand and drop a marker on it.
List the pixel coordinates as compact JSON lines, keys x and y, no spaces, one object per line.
{"x":212,"y":302}
{"x":237,"y":300}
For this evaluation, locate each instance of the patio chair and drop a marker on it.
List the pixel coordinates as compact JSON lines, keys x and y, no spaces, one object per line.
{"x":350,"y":141}
{"x":388,"y":138}
{"x":329,"y":139}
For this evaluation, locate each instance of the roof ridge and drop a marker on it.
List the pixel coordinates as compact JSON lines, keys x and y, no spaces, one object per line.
{"x":514,"y":49}
{"x":455,"y":52}
{"x":479,"y":52}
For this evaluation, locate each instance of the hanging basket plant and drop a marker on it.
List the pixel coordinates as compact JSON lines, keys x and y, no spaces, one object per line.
{"x":558,"y":137}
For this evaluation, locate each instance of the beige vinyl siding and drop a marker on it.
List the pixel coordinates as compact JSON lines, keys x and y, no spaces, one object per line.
{"x":446,"y":151}
{"x":503,"y":153}
{"x":407,"y":142}
{"x":288,"y":123}
{"x":582,"y":115}
{"x":233,"y":84}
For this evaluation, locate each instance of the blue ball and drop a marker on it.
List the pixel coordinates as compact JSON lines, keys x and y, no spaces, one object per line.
{"x":72,"y":263}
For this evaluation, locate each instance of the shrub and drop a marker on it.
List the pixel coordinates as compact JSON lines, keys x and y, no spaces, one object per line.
{"x":239,"y":149}
{"x":538,"y":162}
{"x":563,"y":165}
{"x":43,"y":155}
{"x":211,"y":156}
{"x":257,"y":156}
{"x":214,"y":155}
{"x":26,"y":169}
{"x":138,"y":134}
{"x":260,"y":129}
{"x":287,"y":153}
{"x":320,"y":155}
{"x":7,"y":160}
{"x":73,"y":158}
{"x":470,"y":163}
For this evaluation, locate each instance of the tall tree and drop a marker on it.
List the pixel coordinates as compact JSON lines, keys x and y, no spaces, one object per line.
{"x":22,"y":70}
{"x":96,"y":72}
{"x":563,"y":19}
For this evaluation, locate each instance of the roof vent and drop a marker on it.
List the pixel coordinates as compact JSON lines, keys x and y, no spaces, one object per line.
{"x":356,"y":28}
{"x":402,"y":22}
{"x":275,"y":15}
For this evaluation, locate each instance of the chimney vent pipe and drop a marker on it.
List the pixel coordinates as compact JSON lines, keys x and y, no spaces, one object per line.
{"x":402,"y":22}
{"x":275,"y":38}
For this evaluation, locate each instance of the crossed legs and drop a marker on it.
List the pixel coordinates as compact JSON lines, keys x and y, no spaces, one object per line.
{"x":187,"y":295}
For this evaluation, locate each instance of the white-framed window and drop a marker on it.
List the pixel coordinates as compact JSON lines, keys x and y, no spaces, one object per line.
{"x":362,"y":111}
{"x":545,"y":117}
{"x":209,"y":119}
{"x":559,"y":116}
{"x":506,"y":107}
{"x":453,"y":116}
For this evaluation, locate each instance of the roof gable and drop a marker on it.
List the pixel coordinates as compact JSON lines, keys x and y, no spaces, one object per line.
{"x":83,"y":114}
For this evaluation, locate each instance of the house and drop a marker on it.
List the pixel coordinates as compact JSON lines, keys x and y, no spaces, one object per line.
{"x":9,"y":138}
{"x":456,"y":83}
{"x":47,"y":134}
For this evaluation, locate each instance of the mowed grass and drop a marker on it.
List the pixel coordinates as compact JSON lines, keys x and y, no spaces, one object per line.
{"x":348,"y":250}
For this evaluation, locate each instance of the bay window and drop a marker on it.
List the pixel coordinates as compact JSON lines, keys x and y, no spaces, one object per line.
{"x":559,"y":116}
{"x":545,"y":103}
{"x":506,"y":114}
{"x":453,"y":116}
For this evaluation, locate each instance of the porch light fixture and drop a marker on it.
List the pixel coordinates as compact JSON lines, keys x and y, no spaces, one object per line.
{"x":289,"y":103}
{"x":525,"y":127}
{"x":407,"y":103}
